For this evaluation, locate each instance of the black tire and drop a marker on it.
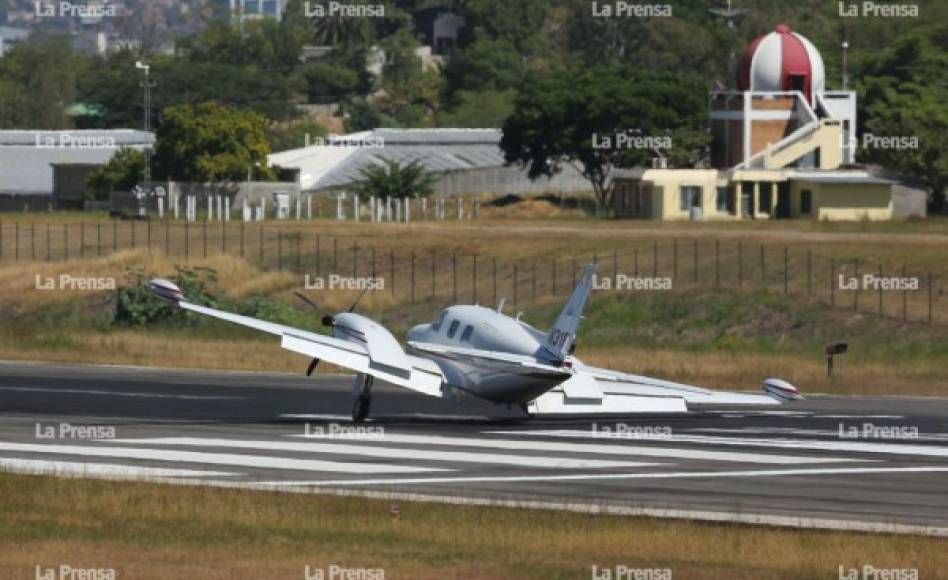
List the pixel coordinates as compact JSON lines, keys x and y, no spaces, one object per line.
{"x":360,"y":408}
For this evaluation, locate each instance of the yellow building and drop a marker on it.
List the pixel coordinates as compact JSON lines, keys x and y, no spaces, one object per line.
{"x":782,"y":147}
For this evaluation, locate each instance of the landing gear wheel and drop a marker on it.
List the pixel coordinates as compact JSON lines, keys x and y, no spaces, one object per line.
{"x":360,"y":408}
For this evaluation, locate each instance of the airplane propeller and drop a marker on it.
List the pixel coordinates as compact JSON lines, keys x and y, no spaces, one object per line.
{"x":312,"y":366}
{"x":327,"y":319}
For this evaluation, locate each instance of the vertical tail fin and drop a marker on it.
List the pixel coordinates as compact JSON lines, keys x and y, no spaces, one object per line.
{"x":559,"y":342}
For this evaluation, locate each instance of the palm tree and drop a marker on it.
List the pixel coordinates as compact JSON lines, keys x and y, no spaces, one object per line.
{"x":394,"y":179}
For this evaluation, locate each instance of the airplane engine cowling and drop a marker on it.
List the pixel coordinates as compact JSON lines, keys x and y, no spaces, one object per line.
{"x":384,"y":350}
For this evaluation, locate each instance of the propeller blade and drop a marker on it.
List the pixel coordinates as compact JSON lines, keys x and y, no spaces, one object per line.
{"x":312,"y":366}
{"x":312,"y":304}
{"x":354,"y":304}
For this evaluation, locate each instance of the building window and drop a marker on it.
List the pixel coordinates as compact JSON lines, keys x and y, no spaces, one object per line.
{"x":453,"y":329}
{"x":725,"y":201}
{"x":690,"y":196}
{"x":466,"y":335}
{"x":806,"y":202}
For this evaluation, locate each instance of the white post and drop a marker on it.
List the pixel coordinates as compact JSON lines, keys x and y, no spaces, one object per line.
{"x":226,"y":209}
{"x":247,"y":212}
{"x":263,"y":208}
{"x":356,"y":207}
{"x":460,"y":208}
{"x":407,"y":209}
{"x":379,"y":210}
{"x":424,"y":208}
{"x":340,"y":211}
{"x":174,"y":202}
{"x":161,"y":208}
{"x":372,"y":209}
{"x":309,"y":207}
{"x":388,"y":208}
{"x":220,"y":207}
{"x":398,"y":210}
{"x":299,"y":207}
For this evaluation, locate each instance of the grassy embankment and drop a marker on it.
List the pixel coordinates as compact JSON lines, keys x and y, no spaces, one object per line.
{"x":720,"y":337}
{"x":144,"y":530}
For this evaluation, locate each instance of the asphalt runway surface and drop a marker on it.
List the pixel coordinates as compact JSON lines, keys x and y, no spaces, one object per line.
{"x":857,"y":463}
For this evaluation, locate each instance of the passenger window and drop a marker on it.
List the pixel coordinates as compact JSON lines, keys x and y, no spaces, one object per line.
{"x":466,"y":335}
{"x":453,"y":329}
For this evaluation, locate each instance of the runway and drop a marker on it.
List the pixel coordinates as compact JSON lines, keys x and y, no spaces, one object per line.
{"x":857,"y":463}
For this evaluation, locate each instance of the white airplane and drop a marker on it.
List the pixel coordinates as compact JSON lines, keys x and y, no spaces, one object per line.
{"x":472,"y":350}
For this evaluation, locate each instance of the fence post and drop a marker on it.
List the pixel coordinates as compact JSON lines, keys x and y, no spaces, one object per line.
{"x":454,"y":276}
{"x":929,"y":298}
{"x":49,"y":255}
{"x":635,"y":262}
{"x":696,"y":262}
{"x":391,"y":269}
{"x":494,"y":259}
{"x":740,"y":264}
{"x":98,"y":238}
{"x":880,"y":290}
{"x":279,"y":249}
{"x":433,"y":273}
{"x":474,"y":279}
{"x":335,"y":256}
{"x":717,"y":263}
{"x":16,"y":241}
{"x":33,"y":240}
{"x":554,"y":276}
{"x":82,"y":240}
{"x":224,"y":236}
{"x":66,"y":240}
{"x":168,"y":237}
{"x":413,"y":276}
{"x":516,"y":276}
{"x":832,"y":282}
{"x":148,"y":237}
{"x":786,"y":270}
{"x":114,"y":236}
{"x":904,"y":297}
{"x":654,"y":260}
{"x":675,"y":260}
{"x":534,"y":282}
{"x":204,"y":234}
{"x":809,"y":272}
{"x":187,"y":239}
{"x":131,"y":229}
{"x":856,"y":295}
{"x":763,"y":276}
{"x":318,"y":258}
{"x":260,"y":249}
{"x":242,"y":239}
{"x":1,"y":240}
{"x":374,"y":271}
{"x":355,"y":260}
{"x":299,"y":252}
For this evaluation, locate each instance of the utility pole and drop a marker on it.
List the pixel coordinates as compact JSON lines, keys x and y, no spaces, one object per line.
{"x":147,"y":85}
{"x":730,"y":15}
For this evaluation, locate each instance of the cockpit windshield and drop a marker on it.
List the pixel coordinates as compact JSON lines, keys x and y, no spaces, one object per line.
{"x":436,"y":325}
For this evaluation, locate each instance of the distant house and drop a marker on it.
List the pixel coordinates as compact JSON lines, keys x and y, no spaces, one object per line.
{"x":39,"y":168}
{"x":464,"y":161}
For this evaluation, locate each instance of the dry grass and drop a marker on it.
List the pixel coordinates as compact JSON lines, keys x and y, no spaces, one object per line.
{"x":154,"y":531}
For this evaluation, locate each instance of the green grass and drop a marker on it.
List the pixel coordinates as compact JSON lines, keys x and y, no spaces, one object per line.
{"x":156,"y":531}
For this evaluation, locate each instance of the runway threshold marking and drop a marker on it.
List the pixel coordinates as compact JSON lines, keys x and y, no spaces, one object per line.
{"x":881,"y":447}
{"x":367,"y":450}
{"x":616,"y":446}
{"x":217,"y":458}
{"x":97,"y":392}
{"x":610,"y":476}
{"x":47,"y":467}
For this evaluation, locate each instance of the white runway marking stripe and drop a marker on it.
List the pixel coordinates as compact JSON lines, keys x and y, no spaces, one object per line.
{"x":614,"y":447}
{"x":215,"y":458}
{"x":611,"y":476}
{"x":363,"y":449}
{"x":117,"y":393}
{"x":796,"y":444}
{"x":46,"y":467}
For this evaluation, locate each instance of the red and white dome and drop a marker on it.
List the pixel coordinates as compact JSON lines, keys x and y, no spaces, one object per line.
{"x":782,"y":60}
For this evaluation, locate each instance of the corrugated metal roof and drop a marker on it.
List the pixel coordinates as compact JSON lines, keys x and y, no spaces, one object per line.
{"x":342,"y":162}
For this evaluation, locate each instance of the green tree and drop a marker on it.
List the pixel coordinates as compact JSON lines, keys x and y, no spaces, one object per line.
{"x":38,"y":82}
{"x":486,"y":64}
{"x":122,"y":173}
{"x":903,"y":91}
{"x":394,"y":179}
{"x":480,"y":109}
{"x":210,"y":142}
{"x":576,"y":116}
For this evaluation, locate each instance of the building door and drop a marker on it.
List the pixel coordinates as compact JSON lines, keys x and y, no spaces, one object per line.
{"x":783,"y":200}
{"x":747,"y":199}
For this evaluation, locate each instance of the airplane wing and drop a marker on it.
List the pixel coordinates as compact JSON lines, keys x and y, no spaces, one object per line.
{"x":365,"y":353}
{"x":596,"y":390}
